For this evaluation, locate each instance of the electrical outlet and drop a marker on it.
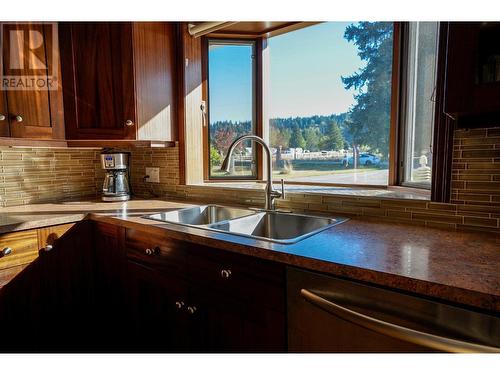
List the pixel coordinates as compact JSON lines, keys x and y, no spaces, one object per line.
{"x":154,"y":174}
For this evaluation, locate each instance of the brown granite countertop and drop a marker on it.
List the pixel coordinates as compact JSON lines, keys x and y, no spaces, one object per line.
{"x":459,"y":267}
{"x":41,"y":215}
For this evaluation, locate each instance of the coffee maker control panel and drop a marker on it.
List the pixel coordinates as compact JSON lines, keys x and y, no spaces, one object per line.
{"x":109,"y":161}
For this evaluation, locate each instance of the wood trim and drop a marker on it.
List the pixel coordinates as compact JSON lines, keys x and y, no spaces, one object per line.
{"x":402,"y":105}
{"x":67,"y":56}
{"x":206,"y":127}
{"x":259,"y":97}
{"x":394,"y":155}
{"x":443,"y":128}
{"x":118,"y":143}
{"x":30,"y":142}
{"x":278,"y":30}
{"x":191,"y":94}
{"x":55,"y":96}
{"x":179,"y":68}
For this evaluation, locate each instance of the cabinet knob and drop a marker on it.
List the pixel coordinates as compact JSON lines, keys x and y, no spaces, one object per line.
{"x":152,"y":251}
{"x":5,"y":251}
{"x":179,"y":304}
{"x":18,"y":118}
{"x":225,"y":274}
{"x":191,"y":309}
{"x":2,"y":117}
{"x":129,"y":123}
{"x":48,"y":248}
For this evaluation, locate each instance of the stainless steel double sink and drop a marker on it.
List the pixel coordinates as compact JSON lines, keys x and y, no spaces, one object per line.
{"x":271,"y":226}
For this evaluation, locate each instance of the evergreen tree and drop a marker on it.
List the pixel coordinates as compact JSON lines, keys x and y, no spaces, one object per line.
{"x":333,"y":139}
{"x":312,"y":138}
{"x":297,"y":139}
{"x":369,"y":118}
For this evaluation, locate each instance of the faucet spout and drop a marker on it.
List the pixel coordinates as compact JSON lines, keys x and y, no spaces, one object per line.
{"x":271,"y":194}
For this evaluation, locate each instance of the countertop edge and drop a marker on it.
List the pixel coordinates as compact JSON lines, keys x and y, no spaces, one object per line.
{"x":40,"y":223}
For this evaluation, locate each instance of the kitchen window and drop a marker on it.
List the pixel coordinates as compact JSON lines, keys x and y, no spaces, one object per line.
{"x":328,"y":102}
{"x":231,"y":106}
{"x":418,"y":120}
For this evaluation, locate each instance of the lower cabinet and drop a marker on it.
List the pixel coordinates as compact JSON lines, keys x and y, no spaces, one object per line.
{"x":47,"y":306}
{"x":191,"y":298}
{"x":104,"y":288}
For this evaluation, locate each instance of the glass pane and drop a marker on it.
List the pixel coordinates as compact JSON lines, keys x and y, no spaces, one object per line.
{"x":231,"y":106}
{"x":422,"y":56}
{"x":329,"y":103}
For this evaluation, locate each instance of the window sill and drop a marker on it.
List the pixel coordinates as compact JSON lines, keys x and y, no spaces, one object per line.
{"x":393,"y":192}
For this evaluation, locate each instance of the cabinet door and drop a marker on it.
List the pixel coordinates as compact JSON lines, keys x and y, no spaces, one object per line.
{"x":49,"y":304}
{"x":4,"y":116}
{"x":97,"y":67}
{"x":240,"y":302}
{"x":227,"y":324}
{"x":158,"y":321}
{"x":472,"y":73}
{"x":34,"y":111}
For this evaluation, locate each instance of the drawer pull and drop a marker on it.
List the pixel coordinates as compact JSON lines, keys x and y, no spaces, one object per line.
{"x":225,"y":274}
{"x":48,"y":247}
{"x":191,"y":309}
{"x":152,"y":251}
{"x":5,"y":251}
{"x":179,"y":304}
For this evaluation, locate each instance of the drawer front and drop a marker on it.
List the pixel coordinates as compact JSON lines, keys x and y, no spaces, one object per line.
{"x":161,"y":253}
{"x":49,"y":235}
{"x":240,"y":276}
{"x":23,"y":246}
{"x":6,"y":275}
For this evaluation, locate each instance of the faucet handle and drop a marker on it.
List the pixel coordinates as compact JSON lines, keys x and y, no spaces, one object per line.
{"x":282,"y":189}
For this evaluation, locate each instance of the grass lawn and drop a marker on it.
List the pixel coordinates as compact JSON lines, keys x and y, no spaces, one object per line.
{"x":302,"y":168}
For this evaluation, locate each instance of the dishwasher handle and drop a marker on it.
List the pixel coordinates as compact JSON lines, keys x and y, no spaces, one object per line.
{"x":395,"y":331}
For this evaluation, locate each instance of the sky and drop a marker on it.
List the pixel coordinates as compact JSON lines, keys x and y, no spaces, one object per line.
{"x":305,"y":75}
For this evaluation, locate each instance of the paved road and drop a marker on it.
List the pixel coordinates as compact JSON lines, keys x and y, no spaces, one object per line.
{"x":378,"y":177}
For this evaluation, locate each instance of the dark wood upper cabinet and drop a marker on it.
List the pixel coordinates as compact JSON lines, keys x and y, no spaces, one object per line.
{"x":472,"y":94}
{"x":119,"y":80}
{"x":4,"y":116}
{"x":31,"y":57}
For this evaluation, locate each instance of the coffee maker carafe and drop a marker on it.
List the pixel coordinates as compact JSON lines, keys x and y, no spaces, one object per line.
{"x":116,"y":180}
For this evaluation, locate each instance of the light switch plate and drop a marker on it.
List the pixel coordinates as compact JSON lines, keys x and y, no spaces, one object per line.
{"x":154,"y":174}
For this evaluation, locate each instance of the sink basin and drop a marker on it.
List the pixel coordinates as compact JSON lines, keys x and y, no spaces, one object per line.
{"x":276,"y":226}
{"x":201,"y":215}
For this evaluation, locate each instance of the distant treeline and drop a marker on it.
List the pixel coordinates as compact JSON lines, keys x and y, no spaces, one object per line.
{"x":313,"y":133}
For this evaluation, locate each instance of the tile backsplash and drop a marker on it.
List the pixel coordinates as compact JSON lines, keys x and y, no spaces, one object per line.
{"x":37,"y":175}
{"x":476,"y":167}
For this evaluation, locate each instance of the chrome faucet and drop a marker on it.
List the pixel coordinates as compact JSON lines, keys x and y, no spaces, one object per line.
{"x":271,"y":194}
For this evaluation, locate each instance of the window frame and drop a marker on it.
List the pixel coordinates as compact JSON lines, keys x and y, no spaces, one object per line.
{"x":404,"y":111}
{"x":397,"y":123}
{"x":256,"y":105}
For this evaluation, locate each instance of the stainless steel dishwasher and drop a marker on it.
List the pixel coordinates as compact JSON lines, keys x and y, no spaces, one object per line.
{"x":327,"y":314}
